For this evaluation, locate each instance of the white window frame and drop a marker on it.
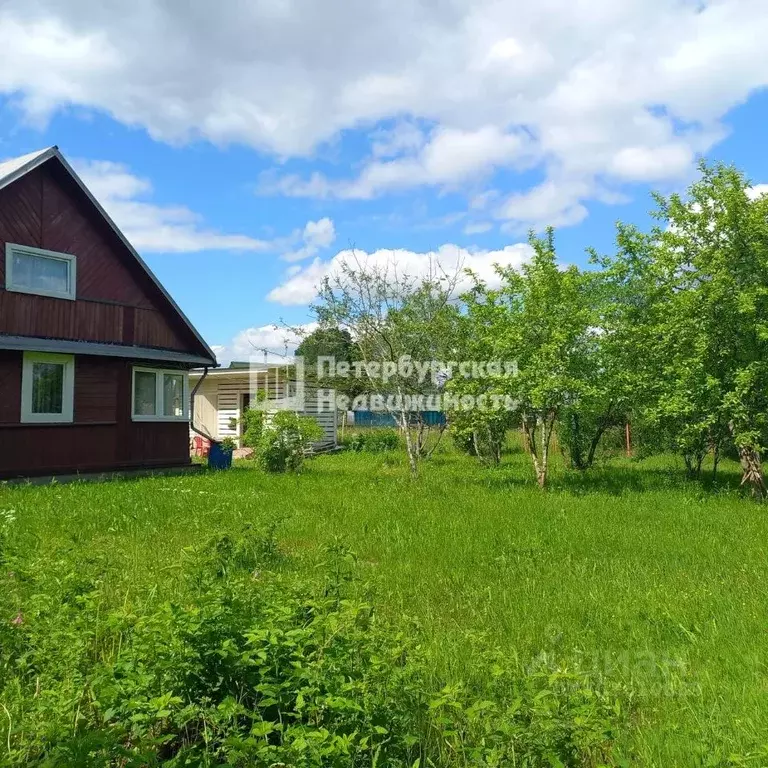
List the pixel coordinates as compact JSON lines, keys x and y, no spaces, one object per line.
{"x":68,"y":394}
{"x":12,"y":248}
{"x":159,"y":404}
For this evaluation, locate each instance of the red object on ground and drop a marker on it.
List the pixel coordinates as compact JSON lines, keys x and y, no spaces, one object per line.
{"x":202,"y":446}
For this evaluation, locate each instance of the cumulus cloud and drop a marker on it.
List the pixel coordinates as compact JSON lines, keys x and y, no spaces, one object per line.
{"x":623,"y":92}
{"x":266,"y":343}
{"x":450,"y":157}
{"x":150,"y":227}
{"x":316,"y":236}
{"x":300,"y":287}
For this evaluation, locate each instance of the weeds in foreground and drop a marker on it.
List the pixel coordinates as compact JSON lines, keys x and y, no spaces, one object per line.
{"x":255,"y":665}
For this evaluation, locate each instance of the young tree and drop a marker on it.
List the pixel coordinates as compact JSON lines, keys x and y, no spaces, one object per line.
{"x":540,"y":317}
{"x":400,"y":324}
{"x":702,"y":343}
{"x":611,"y":361}
{"x":713,"y":263}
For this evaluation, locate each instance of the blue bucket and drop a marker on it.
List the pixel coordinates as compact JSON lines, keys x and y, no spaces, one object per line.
{"x":219,"y":458}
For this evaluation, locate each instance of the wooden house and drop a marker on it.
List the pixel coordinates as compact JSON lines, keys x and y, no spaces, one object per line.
{"x":94,"y":352}
{"x":222,"y":395}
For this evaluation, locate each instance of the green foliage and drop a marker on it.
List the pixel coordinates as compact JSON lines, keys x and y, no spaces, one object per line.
{"x":699,"y":336}
{"x":253,"y":422}
{"x":336,"y":343}
{"x":228,"y":444}
{"x":254,"y":665}
{"x":481,"y":433}
{"x":285,"y":437}
{"x":7,"y":519}
{"x":540,"y":317}
{"x":647,"y":583}
{"x":374,"y":440}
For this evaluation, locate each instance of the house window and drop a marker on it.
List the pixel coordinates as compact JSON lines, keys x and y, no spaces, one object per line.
{"x":45,"y":273}
{"x":160,"y":395}
{"x":47,"y":388}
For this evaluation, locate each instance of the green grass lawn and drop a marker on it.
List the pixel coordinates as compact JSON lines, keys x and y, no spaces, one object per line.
{"x":628,"y":572}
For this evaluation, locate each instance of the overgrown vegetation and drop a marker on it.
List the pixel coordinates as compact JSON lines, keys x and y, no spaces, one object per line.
{"x":254,"y":664}
{"x":625,"y":609}
{"x":374,"y":440}
{"x":284,"y":439}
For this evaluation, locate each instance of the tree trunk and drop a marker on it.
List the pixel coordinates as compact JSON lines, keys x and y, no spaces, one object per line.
{"x":577,"y":460}
{"x":752,"y":470}
{"x":541,"y":463}
{"x":541,"y":472}
{"x":693,"y":462}
{"x":413,"y":459}
{"x":530,"y":439}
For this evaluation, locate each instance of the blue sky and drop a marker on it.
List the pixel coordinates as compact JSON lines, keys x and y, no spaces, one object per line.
{"x":244,"y":149}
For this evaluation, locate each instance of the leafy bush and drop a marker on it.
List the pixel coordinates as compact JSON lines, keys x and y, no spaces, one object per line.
{"x":480,"y":433}
{"x":251,"y":665}
{"x":253,"y":423}
{"x":284,"y":439}
{"x":375,"y":441}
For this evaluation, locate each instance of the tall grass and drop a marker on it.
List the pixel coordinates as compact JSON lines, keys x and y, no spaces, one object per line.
{"x":652,"y":584}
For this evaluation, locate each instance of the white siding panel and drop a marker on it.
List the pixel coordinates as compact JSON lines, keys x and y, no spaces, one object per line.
{"x":224,"y":395}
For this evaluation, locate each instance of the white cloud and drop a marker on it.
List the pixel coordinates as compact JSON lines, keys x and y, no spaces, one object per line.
{"x":317,"y":235}
{"x":669,"y":161}
{"x":450,"y":157}
{"x":404,"y":138}
{"x":151,"y":227}
{"x":598,"y":95}
{"x":266,"y":343}
{"x":301,"y":287}
{"x":478,"y":228}
{"x":757,"y":190}
{"x":554,"y":202}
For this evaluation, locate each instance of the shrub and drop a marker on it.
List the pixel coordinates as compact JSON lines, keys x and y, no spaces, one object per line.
{"x":480,"y":434}
{"x":253,"y":423}
{"x":252,"y":665}
{"x":375,"y":441}
{"x":284,"y":439}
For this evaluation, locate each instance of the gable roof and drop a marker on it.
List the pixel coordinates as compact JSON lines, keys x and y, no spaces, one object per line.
{"x":13,"y":169}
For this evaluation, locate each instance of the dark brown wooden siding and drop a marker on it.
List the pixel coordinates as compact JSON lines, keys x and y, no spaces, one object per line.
{"x":103,"y":436}
{"x":10,"y":387}
{"x":116,"y":300}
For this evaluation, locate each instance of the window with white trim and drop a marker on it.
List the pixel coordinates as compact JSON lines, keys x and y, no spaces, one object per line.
{"x":47,"y":388}
{"x":160,"y":395}
{"x":45,"y":273}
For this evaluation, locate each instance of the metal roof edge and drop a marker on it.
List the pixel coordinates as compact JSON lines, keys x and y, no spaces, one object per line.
{"x":66,"y":346}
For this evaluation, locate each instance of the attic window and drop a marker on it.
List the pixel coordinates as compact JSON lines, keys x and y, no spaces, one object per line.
{"x":44,"y":273}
